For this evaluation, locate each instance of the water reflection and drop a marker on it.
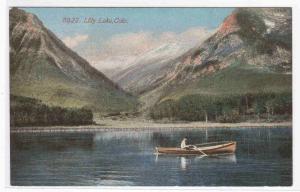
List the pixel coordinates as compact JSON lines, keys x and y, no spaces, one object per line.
{"x":263,"y":157}
{"x":194,"y":160}
{"x":222,"y":158}
{"x":144,"y":136}
{"x":183,"y":163}
{"x":58,"y":142}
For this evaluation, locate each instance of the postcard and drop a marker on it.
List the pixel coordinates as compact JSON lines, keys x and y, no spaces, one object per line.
{"x":151,"y":96}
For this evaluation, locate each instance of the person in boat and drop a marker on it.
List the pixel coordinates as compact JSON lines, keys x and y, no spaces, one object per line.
{"x":183,"y":144}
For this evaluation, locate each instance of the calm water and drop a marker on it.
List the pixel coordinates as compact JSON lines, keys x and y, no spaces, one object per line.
{"x":263,"y":158}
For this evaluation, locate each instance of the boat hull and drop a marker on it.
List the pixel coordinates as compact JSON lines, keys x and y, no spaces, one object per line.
{"x":229,"y":147}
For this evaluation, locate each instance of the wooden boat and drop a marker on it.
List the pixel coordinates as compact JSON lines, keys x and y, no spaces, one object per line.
{"x":201,"y":149}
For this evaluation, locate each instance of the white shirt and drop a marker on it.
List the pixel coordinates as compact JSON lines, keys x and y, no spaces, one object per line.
{"x":183,"y":144}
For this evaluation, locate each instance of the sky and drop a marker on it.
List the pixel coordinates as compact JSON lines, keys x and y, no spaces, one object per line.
{"x":108,"y":45}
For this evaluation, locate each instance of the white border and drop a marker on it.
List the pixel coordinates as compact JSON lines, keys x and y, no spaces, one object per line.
{"x":152,"y":3}
{"x":4,"y":89}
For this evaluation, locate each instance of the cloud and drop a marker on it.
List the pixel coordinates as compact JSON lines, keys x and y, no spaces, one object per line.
{"x":74,"y":41}
{"x":194,"y":36}
{"x":121,"y":50}
{"x":129,"y":44}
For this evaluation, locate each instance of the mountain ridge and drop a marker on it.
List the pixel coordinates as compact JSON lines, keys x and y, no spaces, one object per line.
{"x":43,"y":67}
{"x":249,"y":34}
{"x":150,"y":69}
{"x":243,"y":43}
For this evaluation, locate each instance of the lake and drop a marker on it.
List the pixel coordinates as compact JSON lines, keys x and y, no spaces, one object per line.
{"x":126,"y":158}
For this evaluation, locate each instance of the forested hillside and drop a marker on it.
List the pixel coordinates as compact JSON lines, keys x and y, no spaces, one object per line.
{"x":27,"y":111}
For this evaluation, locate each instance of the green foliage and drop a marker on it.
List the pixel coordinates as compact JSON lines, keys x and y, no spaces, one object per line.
{"x":226,"y":108}
{"x":237,"y":79}
{"x":25,"y":111}
{"x":252,"y":26}
{"x":58,"y":91}
{"x":252,"y":32}
{"x":240,"y":92}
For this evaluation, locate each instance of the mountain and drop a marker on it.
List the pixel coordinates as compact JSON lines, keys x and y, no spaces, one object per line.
{"x":149,"y":69}
{"x":260,"y":37}
{"x":43,"y":67}
{"x":250,"y":53}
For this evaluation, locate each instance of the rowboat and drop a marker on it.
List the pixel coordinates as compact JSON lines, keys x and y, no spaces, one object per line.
{"x":224,"y":147}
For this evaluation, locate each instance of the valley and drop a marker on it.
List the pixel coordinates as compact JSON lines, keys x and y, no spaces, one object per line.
{"x":242,"y":72}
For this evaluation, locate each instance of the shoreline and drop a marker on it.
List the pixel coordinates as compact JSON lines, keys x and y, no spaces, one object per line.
{"x":128,"y":125}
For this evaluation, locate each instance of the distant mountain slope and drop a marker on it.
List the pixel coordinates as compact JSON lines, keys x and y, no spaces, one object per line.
{"x":42,"y":67}
{"x":251,"y":52}
{"x":149,"y":69}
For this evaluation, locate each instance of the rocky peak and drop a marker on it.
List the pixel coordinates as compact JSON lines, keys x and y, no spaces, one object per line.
{"x":43,"y":67}
{"x":19,"y":18}
{"x":257,"y":36}
{"x":229,"y":25}
{"x":28,"y":36}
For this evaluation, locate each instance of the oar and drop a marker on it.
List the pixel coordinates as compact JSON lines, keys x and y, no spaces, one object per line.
{"x":202,"y":152}
{"x":196,"y":148}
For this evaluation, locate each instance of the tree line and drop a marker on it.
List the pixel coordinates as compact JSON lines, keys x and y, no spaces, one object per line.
{"x":226,"y":108}
{"x":25,"y":111}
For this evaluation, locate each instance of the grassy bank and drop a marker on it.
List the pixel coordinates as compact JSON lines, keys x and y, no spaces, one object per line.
{"x":111,"y":125}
